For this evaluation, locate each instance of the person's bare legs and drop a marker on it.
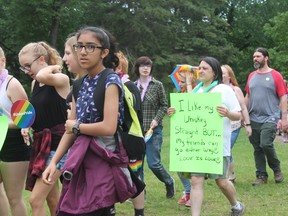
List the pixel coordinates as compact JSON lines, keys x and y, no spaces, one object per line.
{"x":53,"y":198}
{"x":197,"y":194}
{"x":139,"y":201}
{"x":228,"y":190}
{"x":231,"y":171}
{"x":14,"y":177}
{"x":4,"y":205}
{"x":40,"y":193}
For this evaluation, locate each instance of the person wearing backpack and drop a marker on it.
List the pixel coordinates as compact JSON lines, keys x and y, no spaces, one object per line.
{"x":136,"y":162}
{"x":154,"y":107}
{"x":92,"y":189}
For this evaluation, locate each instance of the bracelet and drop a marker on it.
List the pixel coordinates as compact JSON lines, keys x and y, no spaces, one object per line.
{"x":188,"y":84}
{"x":247,"y":125}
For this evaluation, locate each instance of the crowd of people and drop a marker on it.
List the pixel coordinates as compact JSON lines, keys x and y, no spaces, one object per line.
{"x":64,"y":123}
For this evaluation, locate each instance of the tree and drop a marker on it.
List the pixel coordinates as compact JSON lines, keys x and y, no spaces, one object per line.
{"x":277,"y":30}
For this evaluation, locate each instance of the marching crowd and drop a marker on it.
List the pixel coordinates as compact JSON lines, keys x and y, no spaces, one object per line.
{"x":65,"y":124}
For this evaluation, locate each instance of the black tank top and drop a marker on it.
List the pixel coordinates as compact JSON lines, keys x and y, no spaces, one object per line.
{"x":50,"y":109}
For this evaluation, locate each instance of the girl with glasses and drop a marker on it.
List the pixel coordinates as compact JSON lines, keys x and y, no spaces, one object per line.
{"x":50,"y":88}
{"x":91,"y":188}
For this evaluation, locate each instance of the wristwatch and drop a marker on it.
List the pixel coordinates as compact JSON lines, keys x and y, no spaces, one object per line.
{"x":76,"y":129}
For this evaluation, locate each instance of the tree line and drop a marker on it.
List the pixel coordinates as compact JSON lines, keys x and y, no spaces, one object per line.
{"x":170,"y":32}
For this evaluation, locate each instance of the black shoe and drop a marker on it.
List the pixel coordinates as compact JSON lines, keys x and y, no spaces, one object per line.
{"x":170,"y":189}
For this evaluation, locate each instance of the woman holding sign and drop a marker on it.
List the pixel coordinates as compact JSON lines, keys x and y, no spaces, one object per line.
{"x":14,"y":154}
{"x":50,"y":88}
{"x":210,"y":75}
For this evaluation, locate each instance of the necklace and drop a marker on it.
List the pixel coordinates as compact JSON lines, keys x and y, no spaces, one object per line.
{"x":212,"y":85}
{"x":3,"y":76}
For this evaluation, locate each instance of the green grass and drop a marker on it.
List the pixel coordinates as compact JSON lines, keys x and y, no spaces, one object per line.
{"x":266,"y":200}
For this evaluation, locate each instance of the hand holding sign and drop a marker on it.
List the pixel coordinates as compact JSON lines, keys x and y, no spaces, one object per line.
{"x":23,"y":116}
{"x":23,"y":113}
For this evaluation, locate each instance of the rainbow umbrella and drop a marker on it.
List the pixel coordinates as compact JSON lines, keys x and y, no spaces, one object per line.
{"x":182,"y":67}
{"x":148,"y":135}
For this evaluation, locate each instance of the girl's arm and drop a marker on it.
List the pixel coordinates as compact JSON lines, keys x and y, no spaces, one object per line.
{"x":64,"y":144}
{"x":244,"y":111}
{"x":108,"y":126}
{"x":224,"y":112}
{"x":52,"y":76}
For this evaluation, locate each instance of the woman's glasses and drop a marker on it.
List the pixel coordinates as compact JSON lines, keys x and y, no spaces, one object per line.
{"x":27,"y":67}
{"x":89,"y":48}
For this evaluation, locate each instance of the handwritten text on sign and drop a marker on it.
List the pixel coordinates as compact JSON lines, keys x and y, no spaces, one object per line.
{"x":196,"y":133}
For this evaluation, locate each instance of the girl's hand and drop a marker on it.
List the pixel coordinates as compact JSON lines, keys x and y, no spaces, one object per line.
{"x":69,"y":126}
{"x":153,"y":124}
{"x":25,"y":135}
{"x":223,"y":111}
{"x":171,"y":111}
{"x":56,"y":68}
{"x":47,"y":175}
{"x":189,"y":78}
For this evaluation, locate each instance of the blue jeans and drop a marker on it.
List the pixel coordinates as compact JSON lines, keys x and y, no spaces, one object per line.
{"x":60,"y":164}
{"x":262,"y":138}
{"x":234,"y":136}
{"x":185,"y":182}
{"x":153,"y":155}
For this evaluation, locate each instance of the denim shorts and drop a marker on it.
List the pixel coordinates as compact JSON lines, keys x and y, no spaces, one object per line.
{"x":60,"y":164}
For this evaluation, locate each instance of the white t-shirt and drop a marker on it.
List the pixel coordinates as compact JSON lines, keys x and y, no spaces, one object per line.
{"x":229,"y":100}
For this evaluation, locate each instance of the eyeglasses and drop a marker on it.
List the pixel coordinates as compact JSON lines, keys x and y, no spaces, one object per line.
{"x":89,"y":48}
{"x":143,"y":65}
{"x":27,"y":67}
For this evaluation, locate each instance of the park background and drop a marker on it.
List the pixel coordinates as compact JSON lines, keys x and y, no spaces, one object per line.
{"x":171,"y":32}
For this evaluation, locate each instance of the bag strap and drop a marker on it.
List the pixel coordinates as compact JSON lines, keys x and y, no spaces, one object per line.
{"x":9,"y":82}
{"x":77,"y":86}
{"x":99,"y":93}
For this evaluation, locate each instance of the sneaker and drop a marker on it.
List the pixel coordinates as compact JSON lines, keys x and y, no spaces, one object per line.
{"x":238,"y":212}
{"x":278,"y":176}
{"x":184,"y":199}
{"x":188,"y":203}
{"x":170,"y":189}
{"x":260,"y":180}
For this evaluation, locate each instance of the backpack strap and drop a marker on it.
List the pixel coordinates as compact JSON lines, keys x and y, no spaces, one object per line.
{"x":99,"y":93}
{"x":9,"y":82}
{"x":77,"y":86}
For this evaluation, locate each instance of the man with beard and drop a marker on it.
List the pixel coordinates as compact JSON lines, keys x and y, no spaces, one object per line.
{"x":265,"y":98}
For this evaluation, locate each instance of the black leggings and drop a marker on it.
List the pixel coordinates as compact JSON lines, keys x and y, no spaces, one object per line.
{"x":108,"y":211}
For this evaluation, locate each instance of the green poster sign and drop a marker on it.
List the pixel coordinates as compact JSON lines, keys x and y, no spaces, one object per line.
{"x":196,"y":133}
{"x":3,"y":129}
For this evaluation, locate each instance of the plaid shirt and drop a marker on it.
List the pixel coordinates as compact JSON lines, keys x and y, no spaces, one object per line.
{"x":154,"y":104}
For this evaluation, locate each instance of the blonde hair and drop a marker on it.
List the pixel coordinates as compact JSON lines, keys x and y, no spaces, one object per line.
{"x":183,"y":75}
{"x":1,"y":52}
{"x":41,"y":48}
{"x":231,"y":74}
{"x":184,"y":70}
{"x":123,"y":62}
{"x":70,"y":41}
{"x":2,"y":55}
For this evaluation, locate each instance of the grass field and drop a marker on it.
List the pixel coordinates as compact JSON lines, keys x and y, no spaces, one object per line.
{"x":265,"y":200}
